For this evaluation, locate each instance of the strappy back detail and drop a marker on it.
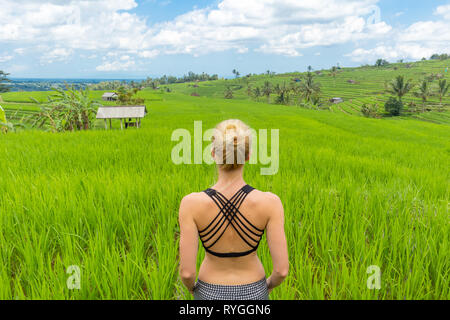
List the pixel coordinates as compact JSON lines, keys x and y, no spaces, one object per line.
{"x":229,"y":213}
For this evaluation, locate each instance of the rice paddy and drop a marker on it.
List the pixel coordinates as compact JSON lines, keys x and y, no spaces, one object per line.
{"x":357,"y":193}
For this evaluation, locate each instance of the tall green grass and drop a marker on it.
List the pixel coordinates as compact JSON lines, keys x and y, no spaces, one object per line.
{"x":357,"y":192}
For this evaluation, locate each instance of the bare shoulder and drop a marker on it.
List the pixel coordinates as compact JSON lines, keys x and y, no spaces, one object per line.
{"x":191,"y":203}
{"x":267,"y":202}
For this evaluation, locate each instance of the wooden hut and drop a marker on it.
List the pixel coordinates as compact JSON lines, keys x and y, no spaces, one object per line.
{"x":110,"y":96}
{"x":130,"y":116}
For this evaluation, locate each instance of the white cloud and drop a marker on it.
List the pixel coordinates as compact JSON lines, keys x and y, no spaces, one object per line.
{"x":148,"y":54}
{"x":5,"y":58}
{"x":443,"y":11}
{"x":279,"y":27}
{"x":116,"y":66}
{"x":58,"y":28}
{"x":419,"y":40}
{"x":19,"y":51}
{"x":57,"y":54}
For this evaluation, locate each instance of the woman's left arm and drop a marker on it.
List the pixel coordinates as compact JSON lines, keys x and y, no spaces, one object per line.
{"x":188,"y":243}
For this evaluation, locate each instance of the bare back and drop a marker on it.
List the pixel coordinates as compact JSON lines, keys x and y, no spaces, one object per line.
{"x":254,"y":212}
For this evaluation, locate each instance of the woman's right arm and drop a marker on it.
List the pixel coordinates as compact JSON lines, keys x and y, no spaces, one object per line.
{"x":276,"y":239}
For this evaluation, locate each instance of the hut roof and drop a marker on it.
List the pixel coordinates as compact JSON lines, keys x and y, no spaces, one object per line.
{"x":109,"y":95}
{"x":120,"y":112}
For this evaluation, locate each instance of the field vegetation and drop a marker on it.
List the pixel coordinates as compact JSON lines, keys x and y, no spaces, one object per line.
{"x":357,"y":191}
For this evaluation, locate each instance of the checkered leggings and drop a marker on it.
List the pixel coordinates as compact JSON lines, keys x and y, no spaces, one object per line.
{"x":253,"y":291}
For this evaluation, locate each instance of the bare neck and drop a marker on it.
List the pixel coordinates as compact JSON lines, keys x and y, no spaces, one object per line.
{"x":230,"y":179}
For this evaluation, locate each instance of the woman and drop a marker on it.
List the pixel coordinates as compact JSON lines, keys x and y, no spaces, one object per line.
{"x":230,"y":218}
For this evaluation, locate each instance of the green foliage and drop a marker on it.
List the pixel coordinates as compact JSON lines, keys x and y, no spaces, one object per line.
{"x":356,"y":193}
{"x":228,"y":93}
{"x":129,"y":97}
{"x":267,"y":90}
{"x":3,"y":122}
{"x":3,"y":79}
{"x":442,"y":89}
{"x":257,"y":93}
{"x":370,"y":110}
{"x":381,"y":63}
{"x":424,"y":93}
{"x":283,"y":92}
{"x":393,"y":106}
{"x":399,"y":87}
{"x":66,"y":110}
{"x":309,"y":88}
{"x":437,"y":56}
{"x":109,"y":85}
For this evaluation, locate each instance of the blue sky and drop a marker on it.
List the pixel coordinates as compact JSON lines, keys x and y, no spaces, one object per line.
{"x":136,"y":39}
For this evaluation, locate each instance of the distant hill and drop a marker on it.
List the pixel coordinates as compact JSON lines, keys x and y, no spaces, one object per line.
{"x":356,"y":86}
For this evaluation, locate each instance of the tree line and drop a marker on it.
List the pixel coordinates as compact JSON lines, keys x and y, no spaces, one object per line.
{"x":153,"y":83}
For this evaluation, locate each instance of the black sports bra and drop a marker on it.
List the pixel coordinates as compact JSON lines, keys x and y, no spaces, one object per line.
{"x":229,"y":212}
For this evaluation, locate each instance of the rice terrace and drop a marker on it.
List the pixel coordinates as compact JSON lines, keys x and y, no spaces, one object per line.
{"x":363,"y":176}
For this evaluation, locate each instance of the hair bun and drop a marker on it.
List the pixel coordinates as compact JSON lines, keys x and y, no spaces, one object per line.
{"x":231,"y":143}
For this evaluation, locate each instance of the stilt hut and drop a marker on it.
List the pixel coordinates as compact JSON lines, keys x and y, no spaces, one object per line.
{"x":129,"y":116}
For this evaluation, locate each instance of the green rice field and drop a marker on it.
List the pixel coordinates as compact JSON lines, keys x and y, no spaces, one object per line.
{"x":357,"y":192}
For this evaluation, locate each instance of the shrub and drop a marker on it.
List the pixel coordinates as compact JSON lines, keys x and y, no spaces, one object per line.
{"x":228,"y":93}
{"x":393,"y":106}
{"x":370,"y":111}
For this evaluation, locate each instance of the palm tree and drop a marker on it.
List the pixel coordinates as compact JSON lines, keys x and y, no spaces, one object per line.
{"x":267,"y":90}
{"x":424,"y":93}
{"x":442,"y":89}
{"x":309,"y":88}
{"x":283,"y":93}
{"x":399,"y":87}
{"x":257,"y":93}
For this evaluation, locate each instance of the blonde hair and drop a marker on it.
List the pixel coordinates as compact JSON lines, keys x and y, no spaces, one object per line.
{"x":231,"y":144}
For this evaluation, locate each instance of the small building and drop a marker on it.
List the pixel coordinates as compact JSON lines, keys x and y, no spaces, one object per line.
{"x":131,"y":116}
{"x":297,"y":80}
{"x":110,"y":96}
{"x":336,"y":100}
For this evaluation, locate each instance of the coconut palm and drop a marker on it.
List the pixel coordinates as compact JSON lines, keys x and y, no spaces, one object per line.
{"x":256,"y":93}
{"x":283,"y":92}
{"x":309,"y":88}
{"x":399,"y":87}
{"x":442,"y":89}
{"x":267,"y":90}
{"x":424,"y":93}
